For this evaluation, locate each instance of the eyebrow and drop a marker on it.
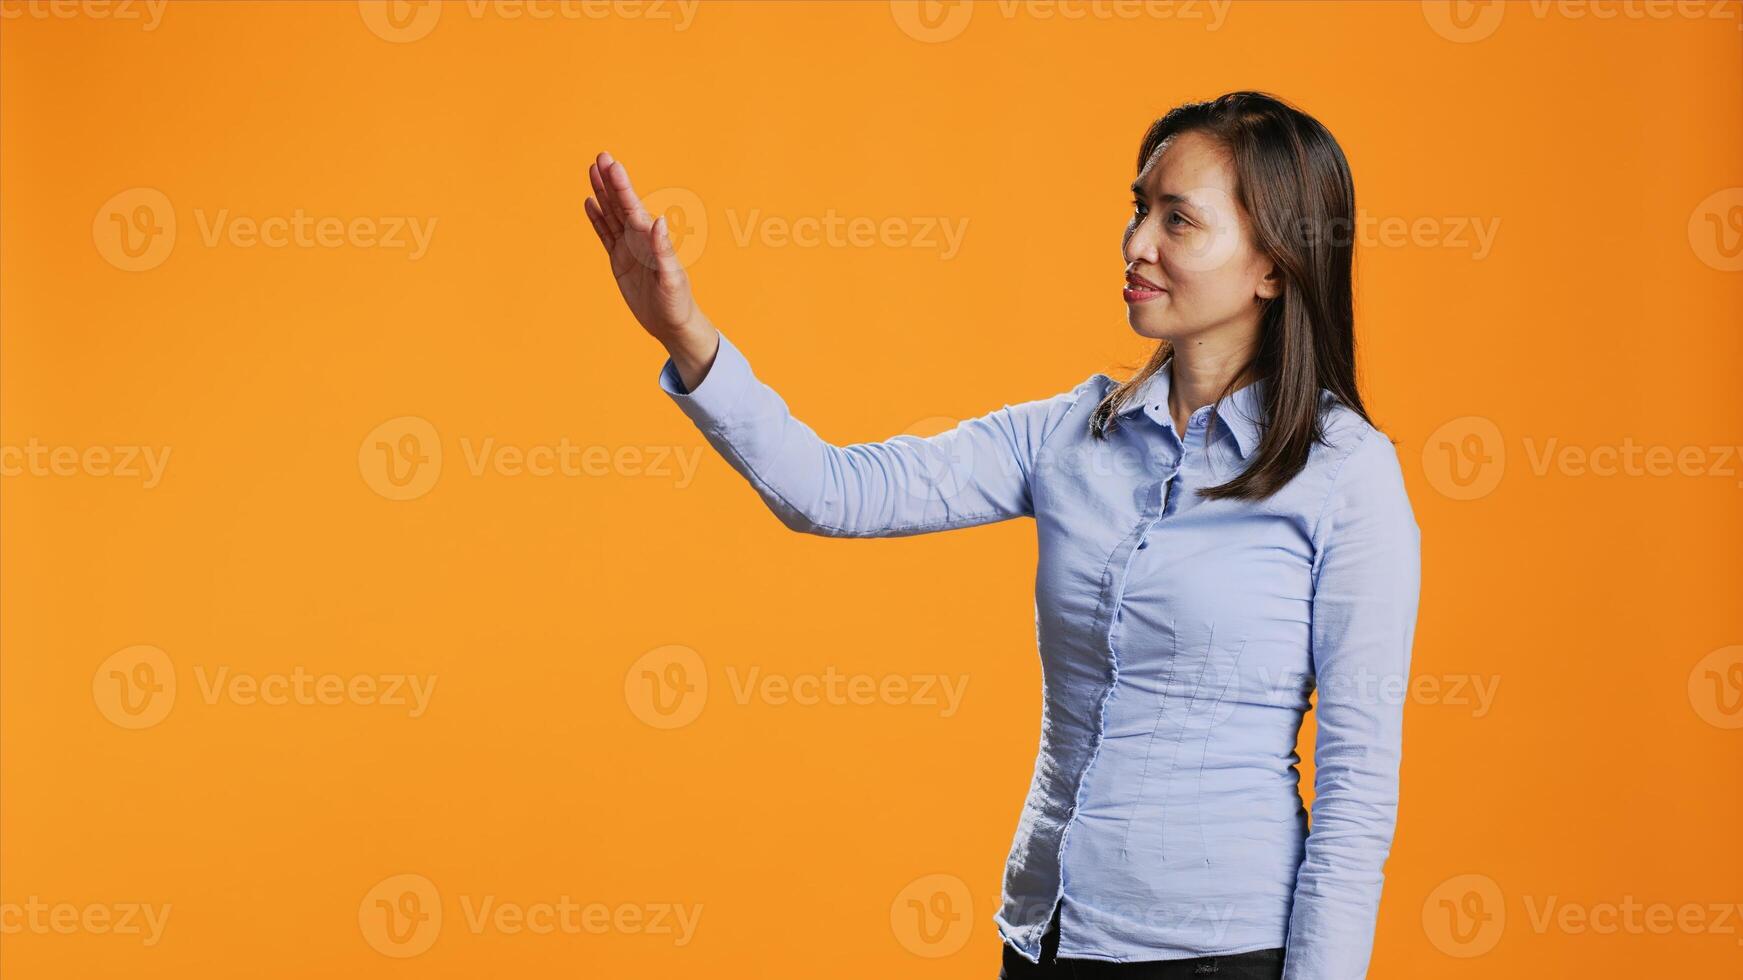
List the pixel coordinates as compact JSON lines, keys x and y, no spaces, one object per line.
{"x":1138,"y":191}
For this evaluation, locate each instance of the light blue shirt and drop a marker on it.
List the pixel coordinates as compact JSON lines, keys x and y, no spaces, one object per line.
{"x":1180,"y":638}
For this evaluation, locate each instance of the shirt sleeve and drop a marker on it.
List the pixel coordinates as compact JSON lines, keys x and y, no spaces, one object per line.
{"x":974,"y":473}
{"x":1367,"y":577}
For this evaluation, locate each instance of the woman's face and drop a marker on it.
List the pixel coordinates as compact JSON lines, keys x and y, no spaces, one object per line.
{"x":1190,"y":238}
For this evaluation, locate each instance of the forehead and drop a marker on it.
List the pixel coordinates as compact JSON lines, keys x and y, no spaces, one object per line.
{"x":1188,"y":162}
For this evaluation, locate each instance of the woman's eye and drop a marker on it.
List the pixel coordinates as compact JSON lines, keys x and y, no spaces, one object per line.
{"x":1176,"y":218}
{"x":1138,"y":206}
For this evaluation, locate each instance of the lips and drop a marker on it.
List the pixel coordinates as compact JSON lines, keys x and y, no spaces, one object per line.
{"x":1141,"y":290}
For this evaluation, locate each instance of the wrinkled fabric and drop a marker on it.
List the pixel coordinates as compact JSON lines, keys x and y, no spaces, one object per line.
{"x":1180,"y":639}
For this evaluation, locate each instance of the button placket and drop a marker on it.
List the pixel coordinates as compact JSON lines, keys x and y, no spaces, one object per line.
{"x":1195,"y":448}
{"x":1166,"y":490}
{"x":1118,"y":591}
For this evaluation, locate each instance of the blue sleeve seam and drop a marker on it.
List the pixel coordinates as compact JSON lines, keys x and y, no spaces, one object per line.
{"x":1331,"y":492}
{"x":840,"y":530}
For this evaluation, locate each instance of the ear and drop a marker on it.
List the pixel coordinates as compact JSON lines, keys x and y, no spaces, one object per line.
{"x":1269,"y":287}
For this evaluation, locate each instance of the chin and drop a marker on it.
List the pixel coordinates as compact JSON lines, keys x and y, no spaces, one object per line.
{"x":1149,"y":327}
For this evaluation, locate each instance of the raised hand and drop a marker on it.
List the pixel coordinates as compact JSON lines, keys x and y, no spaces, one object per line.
{"x":653,"y":284}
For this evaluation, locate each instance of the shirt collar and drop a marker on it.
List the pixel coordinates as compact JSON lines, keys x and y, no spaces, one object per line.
{"x":1239,"y":412}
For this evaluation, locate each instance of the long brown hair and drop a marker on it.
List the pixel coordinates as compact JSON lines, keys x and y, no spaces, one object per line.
{"x":1291,"y":178}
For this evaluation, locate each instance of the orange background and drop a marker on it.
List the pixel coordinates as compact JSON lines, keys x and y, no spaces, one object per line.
{"x":1605,"y":768}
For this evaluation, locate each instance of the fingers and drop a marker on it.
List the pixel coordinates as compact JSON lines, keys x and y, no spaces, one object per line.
{"x":629,"y":205}
{"x":607,"y":210}
{"x":619,"y":207}
{"x":597,"y":218}
{"x":609,"y":196}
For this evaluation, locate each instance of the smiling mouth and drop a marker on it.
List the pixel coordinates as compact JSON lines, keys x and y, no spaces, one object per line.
{"x":1139,"y":289}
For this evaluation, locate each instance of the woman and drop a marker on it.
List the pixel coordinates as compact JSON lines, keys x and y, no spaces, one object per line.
{"x":1220,"y":536}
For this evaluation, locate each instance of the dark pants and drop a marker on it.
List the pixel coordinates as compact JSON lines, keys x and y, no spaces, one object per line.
{"x":1260,"y":964}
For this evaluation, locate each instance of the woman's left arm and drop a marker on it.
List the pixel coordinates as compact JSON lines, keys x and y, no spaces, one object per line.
{"x":1367,"y":576}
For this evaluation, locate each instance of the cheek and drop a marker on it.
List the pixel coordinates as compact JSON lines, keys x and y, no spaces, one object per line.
{"x":1191,"y":286}
{"x":1225,"y":285}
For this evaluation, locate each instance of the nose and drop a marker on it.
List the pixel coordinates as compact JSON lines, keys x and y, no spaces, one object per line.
{"x":1139,"y":246}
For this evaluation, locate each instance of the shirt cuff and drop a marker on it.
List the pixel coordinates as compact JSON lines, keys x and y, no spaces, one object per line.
{"x":722,"y":389}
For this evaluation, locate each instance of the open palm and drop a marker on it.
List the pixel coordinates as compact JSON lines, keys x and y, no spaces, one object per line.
{"x":653,"y":283}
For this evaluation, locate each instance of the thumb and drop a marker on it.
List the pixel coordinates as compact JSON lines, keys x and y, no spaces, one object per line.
{"x":664,"y":253}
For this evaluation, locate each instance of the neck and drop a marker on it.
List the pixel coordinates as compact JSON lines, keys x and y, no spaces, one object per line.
{"x":1201,"y":370}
